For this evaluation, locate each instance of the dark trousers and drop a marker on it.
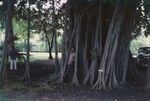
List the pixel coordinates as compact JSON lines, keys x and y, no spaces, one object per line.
{"x":69,"y":72}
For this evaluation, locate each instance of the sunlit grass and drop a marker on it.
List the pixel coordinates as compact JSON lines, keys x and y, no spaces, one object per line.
{"x":2,"y":95}
{"x":41,"y":56}
{"x":140,"y":41}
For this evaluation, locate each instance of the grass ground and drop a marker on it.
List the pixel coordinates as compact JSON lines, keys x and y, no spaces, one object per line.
{"x":41,"y":55}
{"x":2,"y":95}
{"x":17,"y":91}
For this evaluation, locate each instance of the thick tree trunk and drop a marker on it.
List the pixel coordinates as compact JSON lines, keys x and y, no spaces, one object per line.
{"x":116,"y":52}
{"x":27,"y":68}
{"x":8,"y":42}
{"x":55,"y":38}
{"x":56,"y":55}
{"x":3,"y":65}
{"x":67,"y":53}
{"x":98,"y":46}
{"x":147,"y":86}
{"x":107,"y":76}
{"x":64,"y":43}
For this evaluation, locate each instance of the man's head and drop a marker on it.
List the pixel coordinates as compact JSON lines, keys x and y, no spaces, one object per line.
{"x":72,"y":50}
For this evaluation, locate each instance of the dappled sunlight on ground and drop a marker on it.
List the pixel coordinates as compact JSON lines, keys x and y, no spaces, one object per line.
{"x":41,"y":55}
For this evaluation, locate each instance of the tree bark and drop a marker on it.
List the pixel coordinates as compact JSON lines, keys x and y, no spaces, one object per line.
{"x":55,"y":38}
{"x":8,"y":42}
{"x":50,"y":44}
{"x":98,"y":46}
{"x":116,"y":52}
{"x":27,"y":68}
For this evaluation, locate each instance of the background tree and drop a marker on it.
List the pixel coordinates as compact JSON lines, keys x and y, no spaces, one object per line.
{"x":27,"y":69}
{"x":43,"y":20}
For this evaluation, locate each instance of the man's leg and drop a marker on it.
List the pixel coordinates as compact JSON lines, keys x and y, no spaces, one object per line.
{"x":11,"y":64}
{"x":71,"y":71}
{"x":67,"y":71}
{"x":15,"y":65}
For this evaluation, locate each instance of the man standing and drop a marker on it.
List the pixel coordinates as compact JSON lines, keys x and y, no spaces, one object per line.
{"x":13,"y":59}
{"x":70,"y":64}
{"x":72,"y":57}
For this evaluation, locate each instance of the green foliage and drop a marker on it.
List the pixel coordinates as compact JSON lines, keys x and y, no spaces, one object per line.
{"x":147,"y":2}
{"x":3,"y":96}
{"x":2,"y":17}
{"x":20,"y":28}
{"x":142,"y":19}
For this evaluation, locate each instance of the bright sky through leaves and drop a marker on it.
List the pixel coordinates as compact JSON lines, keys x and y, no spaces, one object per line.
{"x":63,"y":1}
{"x":2,"y":2}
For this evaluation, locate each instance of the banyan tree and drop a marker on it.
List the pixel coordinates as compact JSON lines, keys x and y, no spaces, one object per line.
{"x":101,"y":32}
